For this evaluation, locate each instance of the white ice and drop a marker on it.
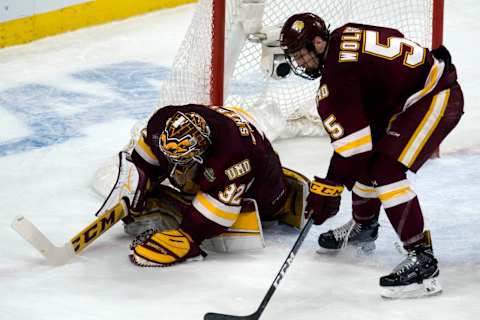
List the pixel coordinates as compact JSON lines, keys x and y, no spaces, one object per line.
{"x":67,"y":103}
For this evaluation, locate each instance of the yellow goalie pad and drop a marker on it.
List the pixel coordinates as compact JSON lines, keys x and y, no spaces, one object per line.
{"x":245,"y":234}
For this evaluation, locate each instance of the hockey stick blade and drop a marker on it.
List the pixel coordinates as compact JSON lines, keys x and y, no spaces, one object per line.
{"x":106,"y":218}
{"x":54,"y":255}
{"x":60,"y":255}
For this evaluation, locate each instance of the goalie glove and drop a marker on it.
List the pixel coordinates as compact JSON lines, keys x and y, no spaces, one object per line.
{"x":131,"y":187}
{"x":163,"y":249}
{"x":323,"y":201}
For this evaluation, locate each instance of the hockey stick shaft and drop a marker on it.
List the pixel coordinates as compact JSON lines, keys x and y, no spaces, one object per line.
{"x":95,"y":229}
{"x":278,"y":278}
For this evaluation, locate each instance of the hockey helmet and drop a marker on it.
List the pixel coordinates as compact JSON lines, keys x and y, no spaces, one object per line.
{"x":185,"y":138}
{"x":299,"y":32}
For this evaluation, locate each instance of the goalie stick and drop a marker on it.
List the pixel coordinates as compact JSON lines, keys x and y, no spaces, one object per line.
{"x":58,"y":255}
{"x":256,"y":315}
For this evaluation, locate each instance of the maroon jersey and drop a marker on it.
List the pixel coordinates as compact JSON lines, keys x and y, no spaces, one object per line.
{"x":371,"y":75}
{"x":240,"y":162}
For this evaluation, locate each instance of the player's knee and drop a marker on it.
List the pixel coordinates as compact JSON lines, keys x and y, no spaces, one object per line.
{"x":383,"y":170}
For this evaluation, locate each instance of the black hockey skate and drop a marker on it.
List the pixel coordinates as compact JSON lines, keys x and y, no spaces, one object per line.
{"x":416,"y":276}
{"x":351,"y":233}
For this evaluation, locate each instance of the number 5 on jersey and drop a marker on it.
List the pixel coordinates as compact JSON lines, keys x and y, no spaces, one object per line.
{"x":334,"y":129}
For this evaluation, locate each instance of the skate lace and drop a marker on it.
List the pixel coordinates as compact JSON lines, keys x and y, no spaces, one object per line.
{"x":407,"y":263}
{"x":343,"y":232}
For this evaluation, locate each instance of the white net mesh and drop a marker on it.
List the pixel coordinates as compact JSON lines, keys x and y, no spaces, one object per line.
{"x":285,"y":107}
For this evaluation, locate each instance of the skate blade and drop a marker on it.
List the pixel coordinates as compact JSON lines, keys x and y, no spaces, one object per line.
{"x":364,"y":248}
{"x":326,"y":251}
{"x":429,"y":287}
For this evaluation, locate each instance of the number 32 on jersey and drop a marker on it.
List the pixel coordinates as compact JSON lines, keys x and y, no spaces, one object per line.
{"x":232,"y":194}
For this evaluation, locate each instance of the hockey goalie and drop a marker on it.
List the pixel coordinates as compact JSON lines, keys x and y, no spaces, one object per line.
{"x":224,"y":179}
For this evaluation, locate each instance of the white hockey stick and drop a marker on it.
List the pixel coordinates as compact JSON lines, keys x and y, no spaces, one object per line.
{"x":55,"y":255}
{"x":58,"y":255}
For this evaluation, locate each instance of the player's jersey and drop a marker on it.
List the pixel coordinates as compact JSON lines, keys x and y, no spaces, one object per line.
{"x":370,"y":75}
{"x":240,"y":162}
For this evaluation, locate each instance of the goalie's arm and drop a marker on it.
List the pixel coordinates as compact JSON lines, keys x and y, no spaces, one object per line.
{"x":153,"y":163}
{"x":346,"y":122}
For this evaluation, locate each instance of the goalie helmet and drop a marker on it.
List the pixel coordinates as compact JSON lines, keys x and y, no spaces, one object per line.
{"x":185,"y":138}
{"x":299,"y":32}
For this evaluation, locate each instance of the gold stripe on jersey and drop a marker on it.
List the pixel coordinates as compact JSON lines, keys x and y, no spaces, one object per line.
{"x":355,"y":143}
{"x":245,"y":114}
{"x":144,"y":150}
{"x":395,"y":193}
{"x":214,"y":210}
{"x":432,"y":80}
{"x":425,"y":128}
{"x":364,"y":191}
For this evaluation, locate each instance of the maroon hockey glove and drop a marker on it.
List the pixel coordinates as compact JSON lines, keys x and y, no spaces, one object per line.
{"x":323,"y":200}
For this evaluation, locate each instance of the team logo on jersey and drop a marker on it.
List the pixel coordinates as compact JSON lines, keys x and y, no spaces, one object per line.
{"x":298,"y":26}
{"x":209,"y":174}
{"x":238,"y":170}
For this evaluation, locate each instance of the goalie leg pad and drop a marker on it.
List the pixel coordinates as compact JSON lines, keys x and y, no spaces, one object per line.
{"x":294,"y":207}
{"x":245,"y":234}
{"x":163,"y":249}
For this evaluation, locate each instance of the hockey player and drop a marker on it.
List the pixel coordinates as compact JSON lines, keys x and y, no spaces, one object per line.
{"x":216,"y":159}
{"x":386,"y":103}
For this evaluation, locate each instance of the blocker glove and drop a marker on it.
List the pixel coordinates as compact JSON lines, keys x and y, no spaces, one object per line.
{"x":323,"y":200}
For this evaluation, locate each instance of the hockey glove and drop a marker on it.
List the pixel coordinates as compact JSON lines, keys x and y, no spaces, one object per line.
{"x":162,"y":249}
{"x":323,"y":200}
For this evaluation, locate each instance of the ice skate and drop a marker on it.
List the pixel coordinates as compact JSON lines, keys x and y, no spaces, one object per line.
{"x":416,"y":276}
{"x":362,"y":236}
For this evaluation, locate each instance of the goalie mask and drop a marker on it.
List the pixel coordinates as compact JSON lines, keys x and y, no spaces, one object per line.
{"x":297,"y":38}
{"x":185,"y":138}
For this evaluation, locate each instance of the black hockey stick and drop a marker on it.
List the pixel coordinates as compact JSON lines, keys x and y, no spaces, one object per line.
{"x":273,"y":287}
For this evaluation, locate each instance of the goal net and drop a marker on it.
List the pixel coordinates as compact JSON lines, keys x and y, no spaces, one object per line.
{"x":214,"y":69}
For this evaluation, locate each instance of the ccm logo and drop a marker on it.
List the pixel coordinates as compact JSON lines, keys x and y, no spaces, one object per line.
{"x":95,"y":229}
{"x":285,"y":267}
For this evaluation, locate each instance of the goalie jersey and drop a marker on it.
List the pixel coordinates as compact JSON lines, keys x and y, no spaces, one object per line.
{"x":371,"y":76}
{"x":239,"y":163}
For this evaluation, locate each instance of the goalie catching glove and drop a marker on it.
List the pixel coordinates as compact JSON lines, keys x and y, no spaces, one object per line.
{"x":163,"y":249}
{"x":323,"y":201}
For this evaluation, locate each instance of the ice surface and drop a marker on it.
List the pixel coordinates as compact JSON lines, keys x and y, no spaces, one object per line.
{"x":67,"y":104}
